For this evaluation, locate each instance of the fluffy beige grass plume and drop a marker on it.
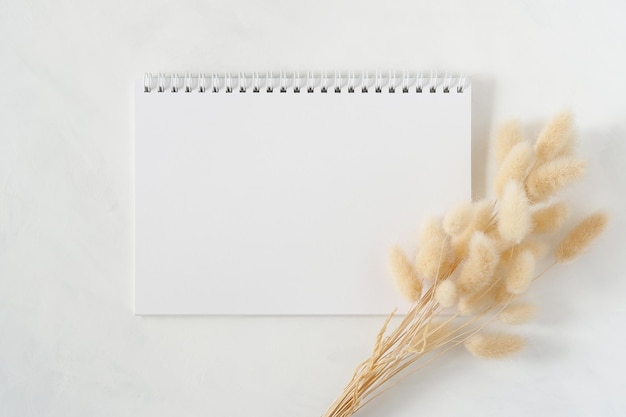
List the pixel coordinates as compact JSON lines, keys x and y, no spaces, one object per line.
{"x":556,"y":138}
{"x":494,"y":345}
{"x":446,"y":293}
{"x":509,"y":135}
{"x":520,"y":273}
{"x":581,"y":236}
{"x":515,"y":166}
{"x":514,"y":213}
{"x":553,"y":176}
{"x":478,"y":268}
{"x":551,"y":218}
{"x":406,"y":277}
{"x":518,"y":313}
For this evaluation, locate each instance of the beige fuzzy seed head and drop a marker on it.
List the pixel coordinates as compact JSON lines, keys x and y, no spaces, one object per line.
{"x":494,"y":345}
{"x":509,"y":135}
{"x":514,"y":213}
{"x":553,"y":176}
{"x":482,"y":216}
{"x":446,"y":293}
{"x":500,"y":243}
{"x":520,"y":273}
{"x":432,"y":229}
{"x":517,"y":313}
{"x":556,"y":138}
{"x":477,"y":270}
{"x":483,"y":220}
{"x":434,"y":256}
{"x":404,"y":273}
{"x":581,"y":236}
{"x":433,"y":260}
{"x":550,"y":219}
{"x":515,"y":166}
{"x":460,"y":243}
{"x":457,"y":219}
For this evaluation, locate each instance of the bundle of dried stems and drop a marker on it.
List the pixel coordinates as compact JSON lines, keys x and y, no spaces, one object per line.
{"x":474,"y":264}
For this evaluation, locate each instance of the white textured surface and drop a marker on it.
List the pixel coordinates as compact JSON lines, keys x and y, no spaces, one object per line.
{"x":69,"y":343}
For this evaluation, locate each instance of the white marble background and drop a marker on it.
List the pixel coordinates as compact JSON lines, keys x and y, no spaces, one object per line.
{"x":69,"y":343}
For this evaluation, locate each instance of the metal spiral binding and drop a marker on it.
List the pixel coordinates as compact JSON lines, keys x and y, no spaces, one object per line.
{"x":284,"y":82}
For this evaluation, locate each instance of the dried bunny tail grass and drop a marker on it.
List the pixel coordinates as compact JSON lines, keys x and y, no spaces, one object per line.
{"x":458,"y":218}
{"x":501,"y":244}
{"x":556,"y":138}
{"x":494,"y":345}
{"x":446,"y":293}
{"x":553,"y":176}
{"x":432,"y":229}
{"x":460,"y":243}
{"x":482,"y":220}
{"x":477,"y":271}
{"x":514,"y":213}
{"x":581,"y":236}
{"x":518,"y":313}
{"x":434,"y":260}
{"x":550,"y":219}
{"x":431,"y":336}
{"x":515,"y":166}
{"x":520,"y":273}
{"x":406,"y":277}
{"x":482,"y":217}
{"x":509,"y":135}
{"x":434,"y":257}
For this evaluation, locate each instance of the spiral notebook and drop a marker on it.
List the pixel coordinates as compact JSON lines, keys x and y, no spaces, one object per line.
{"x":274,"y":194}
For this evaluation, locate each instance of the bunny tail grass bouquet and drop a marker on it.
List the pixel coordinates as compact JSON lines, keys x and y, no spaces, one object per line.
{"x":474,"y":264}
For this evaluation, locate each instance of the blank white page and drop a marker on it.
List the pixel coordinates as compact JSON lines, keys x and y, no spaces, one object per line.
{"x":286,"y":203}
